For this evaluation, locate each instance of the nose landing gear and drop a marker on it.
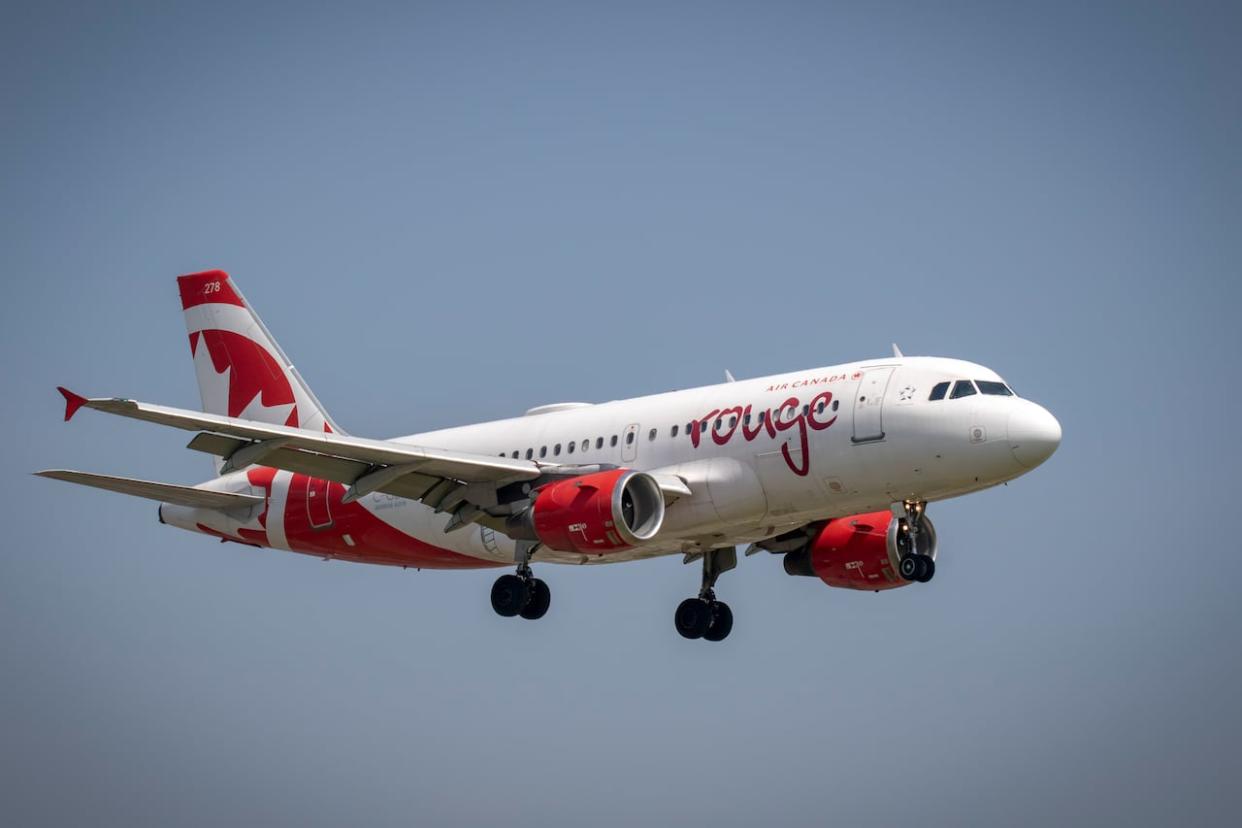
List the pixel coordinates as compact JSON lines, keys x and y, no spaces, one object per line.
{"x":521,"y":593}
{"x":705,"y":617}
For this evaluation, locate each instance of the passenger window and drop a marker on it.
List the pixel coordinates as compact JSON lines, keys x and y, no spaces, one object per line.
{"x":599,"y":442}
{"x":651,"y":435}
{"x":613,"y":441}
{"x":733,"y":421}
{"x":586,"y":444}
{"x":530,"y":453}
{"x":515,"y":455}
{"x":836,"y":404}
{"x":570,"y":448}
{"x":629,"y":438}
{"x":962,"y":388}
{"x":819,"y":407}
{"x":703,"y":426}
{"x":995,"y":389}
{"x":543,"y":451}
{"x":557,"y":449}
{"x":806,"y":409}
{"x":938,"y":391}
{"x":746,"y":419}
{"x":673,"y":432}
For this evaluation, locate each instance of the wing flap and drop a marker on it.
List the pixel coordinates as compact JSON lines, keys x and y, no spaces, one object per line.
{"x":163,"y":492}
{"x":412,"y":485}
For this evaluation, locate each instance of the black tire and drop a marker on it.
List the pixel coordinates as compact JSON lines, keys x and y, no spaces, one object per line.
{"x":693,"y":617}
{"x":929,"y":569}
{"x":721,"y":624}
{"x":910,"y":568}
{"x":509,"y":595}
{"x":540,"y":600}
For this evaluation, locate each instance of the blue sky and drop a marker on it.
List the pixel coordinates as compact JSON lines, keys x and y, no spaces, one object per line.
{"x":451,"y":213}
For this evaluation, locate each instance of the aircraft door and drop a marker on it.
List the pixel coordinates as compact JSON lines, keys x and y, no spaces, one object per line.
{"x":629,"y":443}
{"x":869,"y":404}
{"x":318,"y":508}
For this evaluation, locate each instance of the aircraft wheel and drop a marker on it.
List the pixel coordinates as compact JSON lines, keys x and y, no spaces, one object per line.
{"x":693,"y":617}
{"x":910,"y":567}
{"x":721,"y":624}
{"x":509,"y":595}
{"x":928,"y":569}
{"x":540,"y":600}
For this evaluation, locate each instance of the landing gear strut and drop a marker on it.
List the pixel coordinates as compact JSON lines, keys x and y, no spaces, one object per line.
{"x":705,"y":617}
{"x":521,"y":593}
{"x":914,"y":566}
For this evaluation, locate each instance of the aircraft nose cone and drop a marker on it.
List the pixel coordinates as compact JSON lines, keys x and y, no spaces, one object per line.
{"x":1034,"y":434}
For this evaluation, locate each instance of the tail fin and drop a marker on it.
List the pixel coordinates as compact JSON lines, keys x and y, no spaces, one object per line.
{"x":241,"y":370}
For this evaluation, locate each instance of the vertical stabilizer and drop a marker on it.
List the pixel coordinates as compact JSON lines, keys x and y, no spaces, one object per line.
{"x":241,"y":370}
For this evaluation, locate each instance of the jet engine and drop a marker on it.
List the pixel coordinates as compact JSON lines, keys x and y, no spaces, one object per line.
{"x":871,"y":551}
{"x":593,"y":513}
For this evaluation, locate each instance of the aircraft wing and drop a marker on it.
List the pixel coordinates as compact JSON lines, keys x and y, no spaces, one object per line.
{"x":441,"y":478}
{"x":163,"y":492}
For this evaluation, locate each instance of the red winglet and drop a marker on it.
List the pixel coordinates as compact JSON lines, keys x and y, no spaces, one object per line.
{"x":72,"y":402}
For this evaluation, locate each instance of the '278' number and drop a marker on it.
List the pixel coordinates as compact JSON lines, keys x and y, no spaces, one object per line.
{"x":211,"y":287}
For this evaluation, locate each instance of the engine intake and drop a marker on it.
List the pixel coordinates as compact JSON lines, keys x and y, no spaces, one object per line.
{"x":595,"y":513}
{"x":861,"y":551}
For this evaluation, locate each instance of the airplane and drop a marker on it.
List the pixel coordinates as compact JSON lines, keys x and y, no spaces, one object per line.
{"x":829,"y":468}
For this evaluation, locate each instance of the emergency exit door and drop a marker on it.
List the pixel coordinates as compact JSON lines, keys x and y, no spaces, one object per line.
{"x":629,"y":443}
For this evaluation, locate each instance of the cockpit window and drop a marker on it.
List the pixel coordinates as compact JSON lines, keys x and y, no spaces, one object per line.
{"x":996,"y":389}
{"x":939,"y":391}
{"x":962,"y":388}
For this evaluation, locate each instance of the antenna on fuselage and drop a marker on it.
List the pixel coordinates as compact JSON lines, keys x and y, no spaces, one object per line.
{"x":897,"y":351}
{"x":729,"y":376}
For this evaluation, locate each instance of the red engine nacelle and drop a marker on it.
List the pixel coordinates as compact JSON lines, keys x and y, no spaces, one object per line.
{"x":597,"y":513}
{"x":861,"y":551}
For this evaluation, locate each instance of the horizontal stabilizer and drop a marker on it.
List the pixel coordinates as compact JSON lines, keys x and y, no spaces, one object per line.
{"x":163,"y":492}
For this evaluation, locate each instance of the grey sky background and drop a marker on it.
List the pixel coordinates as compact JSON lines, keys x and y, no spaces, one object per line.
{"x":450,"y":213}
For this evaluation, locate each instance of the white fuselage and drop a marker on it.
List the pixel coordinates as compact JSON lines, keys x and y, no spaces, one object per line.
{"x":841,"y":440}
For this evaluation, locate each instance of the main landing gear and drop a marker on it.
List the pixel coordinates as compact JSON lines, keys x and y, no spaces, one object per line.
{"x":521,"y":593}
{"x":914,"y":566}
{"x":705,"y":617}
